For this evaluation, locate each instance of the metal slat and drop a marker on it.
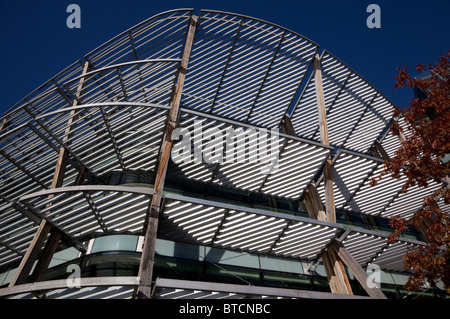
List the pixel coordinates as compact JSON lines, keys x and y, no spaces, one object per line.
{"x":230,"y":226}
{"x":369,"y":247}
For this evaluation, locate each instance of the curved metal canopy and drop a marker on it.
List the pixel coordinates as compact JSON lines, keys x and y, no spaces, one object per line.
{"x":243,"y":73}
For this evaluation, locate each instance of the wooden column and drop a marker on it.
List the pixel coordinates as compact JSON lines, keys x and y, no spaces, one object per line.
{"x":323,"y":128}
{"x":335,"y":255}
{"x":148,"y":251}
{"x":356,"y":270}
{"x":47,"y":254}
{"x":337,"y":277}
{"x":35,"y":249}
{"x":314,"y":204}
{"x":31,"y":254}
{"x":379,"y":151}
{"x":63,"y":156}
{"x":334,"y":267}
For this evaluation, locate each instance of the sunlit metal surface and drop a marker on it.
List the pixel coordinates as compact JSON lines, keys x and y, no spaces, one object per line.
{"x":243,"y":73}
{"x":230,"y":226}
{"x":371,"y":247}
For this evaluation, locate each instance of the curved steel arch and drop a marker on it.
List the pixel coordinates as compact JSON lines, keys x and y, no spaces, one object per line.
{"x":242,"y":72}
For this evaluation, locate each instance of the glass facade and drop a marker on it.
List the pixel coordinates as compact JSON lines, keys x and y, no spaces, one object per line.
{"x":212,"y":192}
{"x":119,"y":255}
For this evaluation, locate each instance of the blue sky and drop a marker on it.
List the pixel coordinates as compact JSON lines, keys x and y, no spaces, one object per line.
{"x":36,"y":43}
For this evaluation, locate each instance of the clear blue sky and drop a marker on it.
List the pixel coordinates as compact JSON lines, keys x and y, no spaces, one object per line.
{"x":36,"y":43}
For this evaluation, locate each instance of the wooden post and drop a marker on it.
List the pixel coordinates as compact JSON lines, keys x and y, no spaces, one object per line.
{"x":379,"y":151}
{"x":148,"y":250}
{"x":334,"y":268}
{"x":337,"y":277}
{"x":314,"y":204}
{"x":47,"y":254}
{"x":34,"y":250}
{"x":320,"y":98}
{"x":31,"y":254}
{"x":323,"y":128}
{"x":356,"y":270}
{"x":61,"y":163}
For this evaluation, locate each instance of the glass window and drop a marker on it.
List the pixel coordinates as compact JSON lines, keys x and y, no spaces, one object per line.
{"x":357,"y":220}
{"x":179,"y":250}
{"x":116,"y":179}
{"x":400,"y":278}
{"x":320,"y":270}
{"x":131,"y":177}
{"x":386,"y":278}
{"x":63,"y":256}
{"x":281,"y":264}
{"x":232,"y":274}
{"x":110,"y":264}
{"x":320,"y":284}
{"x":227,"y":257}
{"x":145,"y":178}
{"x":6,"y":277}
{"x":276,"y":279}
{"x":284,"y":206}
{"x":342,"y":219}
{"x":383,"y":224}
{"x":115,"y":242}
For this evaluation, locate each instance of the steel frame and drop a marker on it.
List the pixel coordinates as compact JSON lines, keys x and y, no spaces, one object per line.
{"x":121,"y":121}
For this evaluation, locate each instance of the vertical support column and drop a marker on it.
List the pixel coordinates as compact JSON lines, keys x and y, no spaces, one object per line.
{"x":31,"y":254}
{"x":148,"y":251}
{"x":337,"y":277}
{"x":335,"y":255}
{"x":61,"y":164}
{"x":323,"y":127}
{"x":359,"y":273}
{"x":334,"y":268}
{"x":35,"y":248}
{"x":314,"y":204}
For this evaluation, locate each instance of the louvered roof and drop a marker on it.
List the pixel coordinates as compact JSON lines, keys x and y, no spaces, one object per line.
{"x":243,"y":73}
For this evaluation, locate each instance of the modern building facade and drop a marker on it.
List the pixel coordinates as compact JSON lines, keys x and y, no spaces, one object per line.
{"x":117,"y":179}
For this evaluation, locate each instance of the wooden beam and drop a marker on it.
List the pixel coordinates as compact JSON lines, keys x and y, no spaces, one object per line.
{"x":337,"y":277}
{"x":320,"y":98}
{"x":313,"y":203}
{"x":329,"y":192}
{"x":379,"y":151}
{"x":356,"y":270}
{"x":61,"y":163}
{"x":286,"y":126}
{"x":31,"y":255}
{"x":335,"y":255}
{"x":46,"y":256}
{"x":34,"y":250}
{"x":323,"y":128}
{"x":148,"y":251}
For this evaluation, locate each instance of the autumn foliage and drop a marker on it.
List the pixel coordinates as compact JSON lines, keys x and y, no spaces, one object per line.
{"x":425,"y":143}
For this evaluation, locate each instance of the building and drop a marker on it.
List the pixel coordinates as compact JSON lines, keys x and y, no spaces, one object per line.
{"x":96,"y":201}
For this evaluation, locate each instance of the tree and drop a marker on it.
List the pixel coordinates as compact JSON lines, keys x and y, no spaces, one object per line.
{"x":422,"y":157}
